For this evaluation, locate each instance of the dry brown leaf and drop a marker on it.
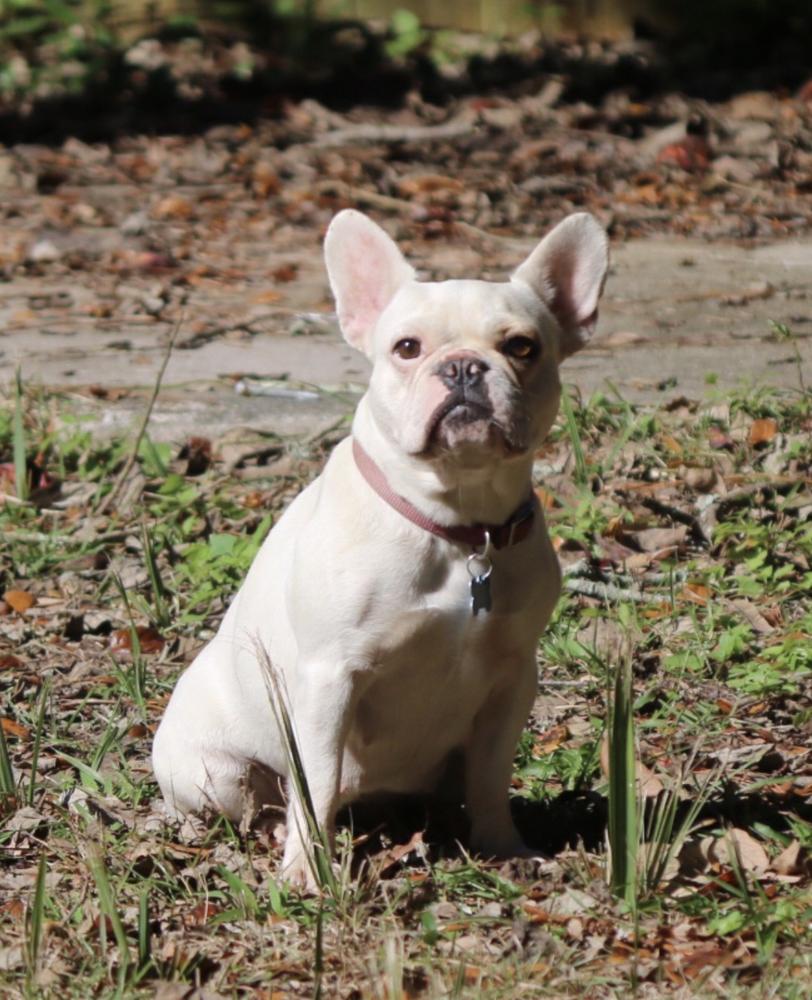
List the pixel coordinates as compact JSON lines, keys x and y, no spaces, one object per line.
{"x":575,"y":928}
{"x":738,"y":847}
{"x":428,"y":184}
{"x":762,"y":431}
{"x":550,"y":740}
{"x":400,"y":851}
{"x":670,"y":443}
{"x":754,"y":617}
{"x":14,"y":908}
{"x":793,"y":860}
{"x":266,"y":297}
{"x":149,"y":640}
{"x":696,"y":593}
{"x":19,"y":600}
{"x":197,"y":452}
{"x":691,"y":153}
{"x":265,"y":180}
{"x":473,"y":975}
{"x":648,"y":784}
{"x":656,"y":539}
{"x":285,"y":273}
{"x":174,"y":206}
{"x":700,"y":478}
{"x":13,"y":728}
{"x":702,"y":957}
{"x":201,"y":913}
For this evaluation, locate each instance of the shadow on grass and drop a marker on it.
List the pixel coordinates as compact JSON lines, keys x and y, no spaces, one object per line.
{"x":563,"y":823}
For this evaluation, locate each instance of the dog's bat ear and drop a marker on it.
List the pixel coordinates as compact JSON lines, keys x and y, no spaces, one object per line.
{"x":567,"y":271}
{"x":365,"y":269}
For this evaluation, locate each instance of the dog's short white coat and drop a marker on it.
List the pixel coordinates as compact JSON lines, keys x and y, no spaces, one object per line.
{"x":365,"y":617}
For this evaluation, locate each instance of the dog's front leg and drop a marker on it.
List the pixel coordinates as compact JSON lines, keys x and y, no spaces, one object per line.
{"x":320,"y":714}
{"x":489,"y":764}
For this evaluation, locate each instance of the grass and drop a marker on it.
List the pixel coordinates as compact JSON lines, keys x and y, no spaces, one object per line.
{"x":18,"y":442}
{"x":710,"y":621}
{"x":622,"y":794}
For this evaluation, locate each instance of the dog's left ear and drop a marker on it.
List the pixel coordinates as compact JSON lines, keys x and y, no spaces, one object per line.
{"x":567,"y":271}
{"x":365,"y":269}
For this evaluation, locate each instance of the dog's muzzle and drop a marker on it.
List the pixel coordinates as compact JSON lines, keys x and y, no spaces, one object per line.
{"x":468,"y":400}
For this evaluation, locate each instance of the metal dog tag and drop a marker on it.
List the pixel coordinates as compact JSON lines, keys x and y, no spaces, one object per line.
{"x":481,"y":593}
{"x":479,"y":568}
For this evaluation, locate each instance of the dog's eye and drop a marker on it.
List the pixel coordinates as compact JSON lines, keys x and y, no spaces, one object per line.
{"x":408,"y":348}
{"x":521,"y":348}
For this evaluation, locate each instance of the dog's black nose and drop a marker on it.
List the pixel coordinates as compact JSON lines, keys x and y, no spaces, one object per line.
{"x":462,"y":373}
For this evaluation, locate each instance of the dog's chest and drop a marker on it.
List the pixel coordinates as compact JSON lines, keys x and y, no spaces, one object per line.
{"x":420,"y":703}
{"x":432,"y":670}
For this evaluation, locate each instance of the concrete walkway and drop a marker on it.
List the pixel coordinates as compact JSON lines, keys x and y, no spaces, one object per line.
{"x":677,"y":314}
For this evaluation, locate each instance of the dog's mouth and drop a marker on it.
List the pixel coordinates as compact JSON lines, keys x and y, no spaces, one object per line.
{"x":476,"y":424}
{"x":459,"y":411}
{"x":461,"y":420}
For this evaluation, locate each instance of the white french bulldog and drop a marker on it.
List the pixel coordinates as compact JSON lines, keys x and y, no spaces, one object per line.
{"x":400,"y":598}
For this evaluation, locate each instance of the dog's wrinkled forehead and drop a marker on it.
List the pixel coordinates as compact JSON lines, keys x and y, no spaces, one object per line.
{"x":460,"y":313}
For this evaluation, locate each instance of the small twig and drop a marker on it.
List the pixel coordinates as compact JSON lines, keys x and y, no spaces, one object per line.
{"x":700,"y":535}
{"x":387,"y":203}
{"x":363,"y":196}
{"x":583,"y":568}
{"x":121,"y":478}
{"x":604,"y":591}
{"x":355,"y":135}
{"x":583,"y":682}
{"x":204,"y":336}
{"x":477,"y":235}
{"x":769,"y":488}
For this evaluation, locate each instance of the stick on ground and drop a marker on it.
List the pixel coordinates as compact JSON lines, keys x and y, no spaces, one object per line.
{"x":121,"y":478}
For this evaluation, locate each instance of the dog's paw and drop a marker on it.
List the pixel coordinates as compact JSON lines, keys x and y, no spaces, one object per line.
{"x":297,"y":871}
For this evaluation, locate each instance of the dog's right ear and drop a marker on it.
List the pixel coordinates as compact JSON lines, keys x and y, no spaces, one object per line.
{"x":365,"y":269}
{"x":567,"y":271}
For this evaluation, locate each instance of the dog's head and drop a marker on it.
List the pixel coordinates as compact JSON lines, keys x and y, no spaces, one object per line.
{"x":465,"y":371}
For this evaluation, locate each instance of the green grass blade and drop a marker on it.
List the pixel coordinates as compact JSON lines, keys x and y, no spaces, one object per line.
{"x":243,"y":894}
{"x":107,"y":902}
{"x":36,"y":917}
{"x":320,"y":861}
{"x":318,"y":953}
{"x":581,"y":475}
{"x":623,"y":807}
{"x":159,"y":591}
{"x":7,"y":786}
{"x":144,"y":945}
{"x":137,"y":675}
{"x":89,"y":773}
{"x":18,"y":441}
{"x":32,"y":784}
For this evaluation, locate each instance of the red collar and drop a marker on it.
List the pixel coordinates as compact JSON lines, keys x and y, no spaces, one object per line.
{"x":517,"y":527}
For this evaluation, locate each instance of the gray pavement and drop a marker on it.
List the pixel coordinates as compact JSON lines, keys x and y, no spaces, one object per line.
{"x":676,"y":315}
